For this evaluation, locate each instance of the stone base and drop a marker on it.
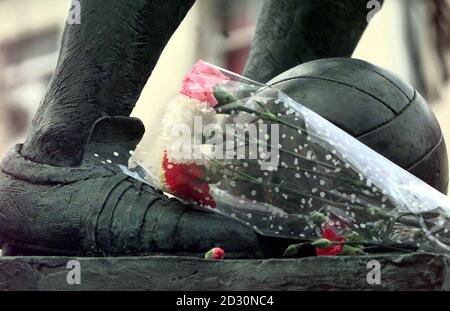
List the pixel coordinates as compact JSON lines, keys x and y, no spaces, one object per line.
{"x":398,"y":272}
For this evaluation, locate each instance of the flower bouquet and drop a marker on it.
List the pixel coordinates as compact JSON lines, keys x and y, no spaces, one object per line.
{"x":245,"y":150}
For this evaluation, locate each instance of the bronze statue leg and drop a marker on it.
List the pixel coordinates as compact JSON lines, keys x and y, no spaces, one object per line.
{"x":290,"y":33}
{"x":103,"y":65}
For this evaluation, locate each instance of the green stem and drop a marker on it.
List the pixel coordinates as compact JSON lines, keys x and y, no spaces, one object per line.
{"x":300,"y":157}
{"x":255,"y":181}
{"x":374,"y":210}
{"x":234,"y":104}
{"x":295,"y":155}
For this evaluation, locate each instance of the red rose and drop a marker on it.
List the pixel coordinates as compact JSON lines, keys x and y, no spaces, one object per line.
{"x":330,"y":235}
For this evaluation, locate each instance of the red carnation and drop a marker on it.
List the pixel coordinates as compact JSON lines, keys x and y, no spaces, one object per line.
{"x":335,"y":250}
{"x":187,"y":181}
{"x":215,"y":254}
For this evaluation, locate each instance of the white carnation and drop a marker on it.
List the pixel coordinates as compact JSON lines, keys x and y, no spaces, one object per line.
{"x":178,"y":128}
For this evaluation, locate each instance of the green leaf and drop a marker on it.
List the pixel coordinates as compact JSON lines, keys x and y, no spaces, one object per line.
{"x":322,"y":243}
{"x":223,"y":97}
{"x":318,"y":218}
{"x":353,"y":237}
{"x":348,"y":250}
{"x":209,"y":253}
{"x":292,"y":250}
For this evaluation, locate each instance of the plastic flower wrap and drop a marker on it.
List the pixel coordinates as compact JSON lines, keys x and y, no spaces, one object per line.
{"x":248,"y":151}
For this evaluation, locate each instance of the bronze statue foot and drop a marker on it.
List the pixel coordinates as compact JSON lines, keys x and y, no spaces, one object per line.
{"x":96,"y":210}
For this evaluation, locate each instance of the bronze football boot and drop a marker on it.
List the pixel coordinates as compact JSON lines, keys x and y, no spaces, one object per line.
{"x":56,"y":198}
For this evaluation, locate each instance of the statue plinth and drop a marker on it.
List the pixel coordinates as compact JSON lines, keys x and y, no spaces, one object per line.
{"x":398,"y":272}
